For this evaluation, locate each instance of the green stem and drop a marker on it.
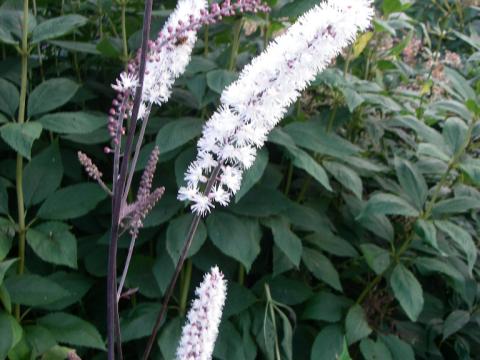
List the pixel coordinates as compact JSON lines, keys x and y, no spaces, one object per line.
{"x":235,"y":44}
{"x":123,"y":5}
{"x":187,"y":277}
{"x":272,"y":315}
{"x":288,"y":185}
{"x":333,"y":114}
{"x":241,"y":274}
{"x":205,"y":41}
{"x":19,"y":167}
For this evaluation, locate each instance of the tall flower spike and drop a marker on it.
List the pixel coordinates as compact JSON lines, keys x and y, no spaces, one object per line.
{"x":200,"y":332}
{"x":254,"y":104}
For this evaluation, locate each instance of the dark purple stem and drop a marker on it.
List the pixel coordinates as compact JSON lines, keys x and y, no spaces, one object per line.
{"x":188,"y":242}
{"x":112,"y":306}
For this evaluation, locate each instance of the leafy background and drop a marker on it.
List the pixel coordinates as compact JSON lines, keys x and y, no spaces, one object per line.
{"x":354,"y":234}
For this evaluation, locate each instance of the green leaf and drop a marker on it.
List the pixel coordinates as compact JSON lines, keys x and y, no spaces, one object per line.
{"x":233,"y":237}
{"x":462,"y":239}
{"x":321,"y":267}
{"x":286,"y":240}
{"x":218,"y":80}
{"x":77,"y":46}
{"x":295,"y":8}
{"x":77,"y":285}
{"x":239,"y":299}
{"x":436,"y":266}
{"x":313,"y":136}
{"x":391,"y":6}
{"x":72,"y":202}
{"x":53,"y":243}
{"x":56,"y":27}
{"x":6,"y":37}
{"x":325,"y":306}
{"x":51,"y":95}
{"x":328,"y":344}
{"x":303,"y":160}
{"x":39,"y":338}
{"x":9,"y":98}
{"x":457,"y":205}
{"x":356,"y":324}
{"x":399,"y":349}
{"x":412,"y":182}
{"x":33,"y":290}
{"x":332,"y":244}
{"x":387,"y":204}
{"x":177,"y":231}
{"x":253,"y":175}
{"x":4,"y":266}
{"x":455,"y":134}
{"x":141,"y":276}
{"x":42,"y":176}
{"x":3,"y":200}
{"x":261,"y":201}
{"x":289,"y":291}
{"x":407,"y":291}
{"x":431,"y":150}
{"x":139,"y":321}
{"x":378,"y":259}
{"x":73,"y":122}
{"x":459,"y":84}
{"x":427,"y":231}
{"x":345,"y":176}
{"x":169,"y":338}
{"x":372,"y":350}
{"x":21,"y":136}
{"x":455,"y":322}
{"x":69,"y":329}
{"x":10,"y":330}
{"x":177,"y":133}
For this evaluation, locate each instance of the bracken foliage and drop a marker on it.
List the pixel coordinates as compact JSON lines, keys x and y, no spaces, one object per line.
{"x":354,"y":233}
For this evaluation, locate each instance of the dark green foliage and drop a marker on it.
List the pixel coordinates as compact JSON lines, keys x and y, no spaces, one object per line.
{"x":354,"y":235}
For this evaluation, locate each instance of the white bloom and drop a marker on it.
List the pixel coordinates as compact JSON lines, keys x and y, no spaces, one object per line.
{"x":127,"y":82}
{"x":167,"y":59}
{"x":200,"y":332}
{"x":202,"y":204}
{"x":254,"y":104}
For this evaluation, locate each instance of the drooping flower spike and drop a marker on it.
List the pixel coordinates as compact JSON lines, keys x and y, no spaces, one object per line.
{"x":254,"y":104}
{"x":169,"y":55}
{"x":200,"y":332}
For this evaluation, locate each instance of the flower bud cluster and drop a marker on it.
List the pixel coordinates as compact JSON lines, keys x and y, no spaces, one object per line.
{"x":254,"y":104}
{"x":200,"y":332}
{"x":89,"y":166}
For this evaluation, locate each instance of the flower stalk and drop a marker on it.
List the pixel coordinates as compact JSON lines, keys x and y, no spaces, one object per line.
{"x":19,"y":165}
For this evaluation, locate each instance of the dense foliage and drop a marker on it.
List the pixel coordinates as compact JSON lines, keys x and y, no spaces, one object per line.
{"x":354,"y":234}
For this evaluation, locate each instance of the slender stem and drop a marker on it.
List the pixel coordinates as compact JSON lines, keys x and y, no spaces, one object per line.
{"x":187,"y":277}
{"x":138,"y":147}
{"x":183,"y":255}
{"x":19,"y":166}
{"x":241,"y":274}
{"x":288,"y":184}
{"x":272,"y":315}
{"x":112,"y":305}
{"x":205,"y":41}
{"x":123,"y":5}
{"x":235,"y":44}
{"x":125,"y":268}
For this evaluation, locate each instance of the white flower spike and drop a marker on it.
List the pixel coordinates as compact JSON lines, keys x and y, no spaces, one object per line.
{"x":200,"y":332}
{"x":254,"y":104}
